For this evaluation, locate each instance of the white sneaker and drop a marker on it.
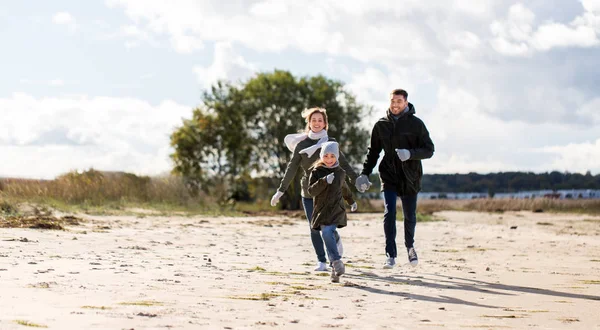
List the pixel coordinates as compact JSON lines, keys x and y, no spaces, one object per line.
{"x":339,"y":244}
{"x":321,"y":267}
{"x":389,"y":263}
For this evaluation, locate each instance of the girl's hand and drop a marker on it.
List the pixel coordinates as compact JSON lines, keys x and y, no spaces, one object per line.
{"x":330,"y":178}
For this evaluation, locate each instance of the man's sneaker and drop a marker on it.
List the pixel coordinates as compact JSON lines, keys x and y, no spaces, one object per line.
{"x":412,"y":257}
{"x":389,"y":263}
{"x":338,"y":242}
{"x":334,"y":278}
{"x":321,"y":267}
{"x":339,"y":268}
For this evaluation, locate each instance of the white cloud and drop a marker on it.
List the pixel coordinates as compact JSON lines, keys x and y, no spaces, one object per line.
{"x":57,"y":82}
{"x":226,"y":65}
{"x":516,"y":35}
{"x":591,"y":5}
{"x":346,"y":28}
{"x":53,"y":82}
{"x":575,"y":157}
{"x":470,"y":140}
{"x":49,"y":136}
{"x":64,"y":18}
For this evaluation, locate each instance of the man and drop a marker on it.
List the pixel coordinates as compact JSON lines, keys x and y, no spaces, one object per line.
{"x":405,"y":141}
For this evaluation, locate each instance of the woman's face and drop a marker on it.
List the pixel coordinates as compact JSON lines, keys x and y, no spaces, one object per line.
{"x":329,"y":159}
{"x":317,"y":122}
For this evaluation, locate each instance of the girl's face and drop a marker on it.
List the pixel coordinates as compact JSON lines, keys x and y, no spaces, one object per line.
{"x":317,"y":122}
{"x":329,"y":159}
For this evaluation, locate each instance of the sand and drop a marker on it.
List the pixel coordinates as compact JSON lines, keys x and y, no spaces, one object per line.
{"x":152,"y":272}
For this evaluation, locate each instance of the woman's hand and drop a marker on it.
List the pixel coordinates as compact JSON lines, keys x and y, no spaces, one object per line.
{"x":276,"y":197}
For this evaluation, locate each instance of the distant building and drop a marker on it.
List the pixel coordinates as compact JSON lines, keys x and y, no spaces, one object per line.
{"x":554,"y":194}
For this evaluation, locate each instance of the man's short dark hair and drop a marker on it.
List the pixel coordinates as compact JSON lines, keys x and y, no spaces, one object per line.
{"x":399,"y":91}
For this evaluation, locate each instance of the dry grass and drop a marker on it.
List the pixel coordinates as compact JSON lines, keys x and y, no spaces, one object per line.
{"x":589,"y":206}
{"x":29,"y":324}
{"x":98,"y":188}
{"x":97,"y":192}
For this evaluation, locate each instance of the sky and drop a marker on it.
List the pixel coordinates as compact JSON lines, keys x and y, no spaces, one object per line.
{"x":501,"y":85}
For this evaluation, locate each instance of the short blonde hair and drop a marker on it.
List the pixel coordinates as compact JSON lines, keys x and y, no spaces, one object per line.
{"x":307,"y":115}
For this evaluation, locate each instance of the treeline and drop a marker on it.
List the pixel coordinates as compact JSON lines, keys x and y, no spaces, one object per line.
{"x":506,"y":182}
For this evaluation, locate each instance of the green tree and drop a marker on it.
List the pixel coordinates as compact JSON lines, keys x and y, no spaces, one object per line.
{"x":239,"y":129}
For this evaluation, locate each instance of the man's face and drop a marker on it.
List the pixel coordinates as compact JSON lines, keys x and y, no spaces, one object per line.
{"x":397,"y":104}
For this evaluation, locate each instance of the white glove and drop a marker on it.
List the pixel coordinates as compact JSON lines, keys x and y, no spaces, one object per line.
{"x":403,"y":154}
{"x":276,"y":197}
{"x":330,"y":178}
{"x":362,"y":183}
{"x":353,"y":207}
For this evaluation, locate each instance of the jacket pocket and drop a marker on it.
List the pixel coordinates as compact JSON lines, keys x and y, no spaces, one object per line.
{"x":412,"y":171}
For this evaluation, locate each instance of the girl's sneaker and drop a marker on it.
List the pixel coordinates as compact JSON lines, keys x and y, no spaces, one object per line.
{"x":334,"y":278}
{"x":338,"y":267}
{"x":321,"y":267}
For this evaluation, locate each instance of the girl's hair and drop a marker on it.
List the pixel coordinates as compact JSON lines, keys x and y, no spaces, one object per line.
{"x":307,"y":115}
{"x":316,"y":164}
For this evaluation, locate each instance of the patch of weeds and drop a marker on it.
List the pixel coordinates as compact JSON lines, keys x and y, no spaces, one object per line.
{"x":591,"y":220}
{"x":595,"y":260}
{"x":525,"y":311}
{"x":297,"y":273}
{"x":8,"y":209}
{"x":485,"y":326}
{"x":473,"y":248}
{"x":257,"y":269}
{"x":446,"y":250}
{"x":545,"y":224}
{"x":313,"y":298}
{"x":141,"y":303}
{"x":590,"y":281}
{"x":262,"y":296}
{"x":136,"y":247}
{"x":324,"y":274}
{"x":359,"y":266}
{"x":42,"y":285}
{"x":30,"y":324}
{"x":503,"y":316}
{"x":301,"y":287}
{"x":39,"y":222}
{"x":568,"y":319}
{"x":96,"y":307}
{"x":423,"y":217}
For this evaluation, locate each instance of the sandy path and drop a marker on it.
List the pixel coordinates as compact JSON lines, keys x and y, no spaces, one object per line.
{"x":475,"y":272}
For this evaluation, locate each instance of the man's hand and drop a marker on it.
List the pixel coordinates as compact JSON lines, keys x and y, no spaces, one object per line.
{"x":276,"y":197}
{"x":362,"y":183}
{"x":403,"y":154}
{"x":353,"y":207}
{"x":330,"y":178}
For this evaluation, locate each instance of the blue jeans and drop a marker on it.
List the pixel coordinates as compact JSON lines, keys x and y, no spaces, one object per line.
{"x":329,"y":236}
{"x":315,"y":236}
{"x":409,"y":208}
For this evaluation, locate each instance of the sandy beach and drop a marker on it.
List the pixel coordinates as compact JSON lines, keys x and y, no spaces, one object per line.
{"x":516,"y":270}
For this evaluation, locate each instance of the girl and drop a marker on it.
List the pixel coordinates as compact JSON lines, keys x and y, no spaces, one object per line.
{"x":305,"y":147}
{"x":327,"y":186}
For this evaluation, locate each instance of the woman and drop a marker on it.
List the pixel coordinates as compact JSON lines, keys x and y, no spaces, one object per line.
{"x":306,"y":147}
